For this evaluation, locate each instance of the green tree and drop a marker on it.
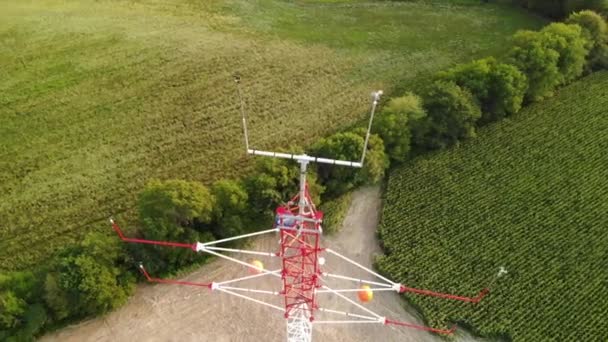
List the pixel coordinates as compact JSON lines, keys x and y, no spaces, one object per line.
{"x":275,"y":181}
{"x":349,"y":146}
{"x":376,"y":160}
{"x":452,"y":114}
{"x":572,"y":47}
{"x":11,"y":309}
{"x":230,"y":210}
{"x":21,"y":313}
{"x":173,"y":210}
{"x":176,"y":201}
{"x":531,"y":55}
{"x":35,"y":318}
{"x":89,"y":278}
{"x":498,"y":88}
{"x":393,"y":124}
{"x":55,"y":297}
{"x":344,"y":146}
{"x":263,"y":193}
{"x":595,"y":31}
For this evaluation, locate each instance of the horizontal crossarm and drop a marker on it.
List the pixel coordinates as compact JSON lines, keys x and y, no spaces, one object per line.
{"x":304,"y":157}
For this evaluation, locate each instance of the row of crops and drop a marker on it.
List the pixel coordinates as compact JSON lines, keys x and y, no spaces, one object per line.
{"x":530,"y":194}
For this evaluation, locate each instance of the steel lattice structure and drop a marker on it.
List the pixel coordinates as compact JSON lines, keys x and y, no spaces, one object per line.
{"x":302,"y":277}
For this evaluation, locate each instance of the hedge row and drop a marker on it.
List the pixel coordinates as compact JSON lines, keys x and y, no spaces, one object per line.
{"x":456,"y":101}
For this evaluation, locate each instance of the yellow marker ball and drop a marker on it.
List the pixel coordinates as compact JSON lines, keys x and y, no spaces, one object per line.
{"x":365,"y":294}
{"x":256,"y":267}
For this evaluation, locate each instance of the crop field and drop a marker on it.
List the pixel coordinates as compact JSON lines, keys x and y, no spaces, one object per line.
{"x":529,"y":194}
{"x":98,"y":97}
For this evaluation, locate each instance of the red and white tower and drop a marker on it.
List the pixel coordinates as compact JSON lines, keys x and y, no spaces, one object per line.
{"x":303,"y":279}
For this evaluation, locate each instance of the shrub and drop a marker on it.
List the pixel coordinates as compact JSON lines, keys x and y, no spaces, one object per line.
{"x":498,"y":88}
{"x":571,"y":45}
{"x":393,"y":124}
{"x":452,"y":113}
{"x":596,"y":32}
{"x":538,"y":62}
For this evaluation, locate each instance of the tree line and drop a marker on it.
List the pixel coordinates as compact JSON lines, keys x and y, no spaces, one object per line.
{"x":99,"y":274}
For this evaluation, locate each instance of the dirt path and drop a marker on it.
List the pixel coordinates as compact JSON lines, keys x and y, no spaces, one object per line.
{"x":180,"y":313}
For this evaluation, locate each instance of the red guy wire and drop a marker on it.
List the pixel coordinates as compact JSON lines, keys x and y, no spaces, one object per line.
{"x":191,"y":246}
{"x":475,"y":300}
{"x":170,"y":281}
{"x":421,"y":327}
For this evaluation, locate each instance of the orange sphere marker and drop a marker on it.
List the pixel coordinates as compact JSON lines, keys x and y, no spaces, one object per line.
{"x":365,"y":294}
{"x":256,"y":267}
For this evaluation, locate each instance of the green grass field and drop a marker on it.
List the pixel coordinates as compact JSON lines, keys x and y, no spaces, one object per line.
{"x":97,"y":97}
{"x":529,"y":194}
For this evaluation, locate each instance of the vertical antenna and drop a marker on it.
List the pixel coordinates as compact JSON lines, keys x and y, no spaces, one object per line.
{"x":237,"y":80}
{"x":376,"y":95}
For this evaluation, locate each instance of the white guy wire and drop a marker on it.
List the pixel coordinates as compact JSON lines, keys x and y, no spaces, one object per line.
{"x":241,"y":251}
{"x":241,"y":262}
{"x":331,"y":275}
{"x":346,"y":322}
{"x":355,"y":290}
{"x":247,"y":277}
{"x":248,"y":290}
{"x":251,"y":299}
{"x":200,"y":245}
{"x":359,"y":265}
{"x":348,"y":314}
{"x":352,"y":302}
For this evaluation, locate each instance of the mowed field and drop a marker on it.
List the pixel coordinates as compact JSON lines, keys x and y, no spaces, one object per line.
{"x":530,"y":194}
{"x":98,"y":97}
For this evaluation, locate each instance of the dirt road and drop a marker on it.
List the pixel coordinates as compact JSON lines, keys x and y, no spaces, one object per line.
{"x":181,"y":313}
